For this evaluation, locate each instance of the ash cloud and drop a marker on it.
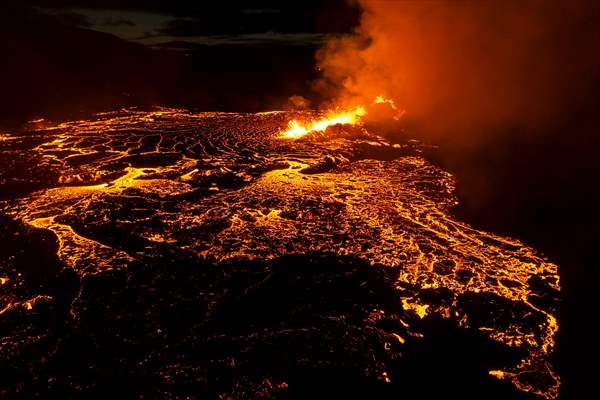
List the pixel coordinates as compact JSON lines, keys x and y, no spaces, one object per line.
{"x":467,"y":68}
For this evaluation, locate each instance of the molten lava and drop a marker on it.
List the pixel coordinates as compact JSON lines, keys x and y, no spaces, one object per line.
{"x":349,"y":117}
{"x":203,"y":229}
{"x":296,"y":130}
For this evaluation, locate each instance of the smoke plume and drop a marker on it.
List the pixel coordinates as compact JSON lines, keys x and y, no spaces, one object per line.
{"x":466,"y":68}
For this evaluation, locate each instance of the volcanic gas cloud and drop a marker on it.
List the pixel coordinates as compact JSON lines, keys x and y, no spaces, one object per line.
{"x":463,"y":68}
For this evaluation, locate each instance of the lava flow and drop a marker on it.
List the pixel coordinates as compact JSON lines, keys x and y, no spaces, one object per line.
{"x":225,"y":261}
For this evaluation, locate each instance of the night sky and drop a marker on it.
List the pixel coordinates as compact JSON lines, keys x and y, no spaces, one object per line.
{"x":84,"y":56}
{"x":253,"y":22}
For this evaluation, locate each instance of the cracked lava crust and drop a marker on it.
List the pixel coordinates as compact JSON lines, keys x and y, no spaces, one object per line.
{"x":174,"y":254}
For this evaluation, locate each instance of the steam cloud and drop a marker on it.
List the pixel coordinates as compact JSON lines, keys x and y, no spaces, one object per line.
{"x":464,"y":68}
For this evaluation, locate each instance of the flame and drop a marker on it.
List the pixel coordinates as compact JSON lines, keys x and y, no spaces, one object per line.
{"x":348,"y":117}
{"x":296,"y":129}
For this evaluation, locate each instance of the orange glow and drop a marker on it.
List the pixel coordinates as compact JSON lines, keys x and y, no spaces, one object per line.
{"x":297,"y":130}
{"x":382,"y":100}
{"x":373,"y":210}
{"x":349,"y":117}
{"x":497,"y":373}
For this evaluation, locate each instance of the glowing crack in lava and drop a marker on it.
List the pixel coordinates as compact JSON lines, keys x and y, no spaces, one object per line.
{"x":192,"y":242}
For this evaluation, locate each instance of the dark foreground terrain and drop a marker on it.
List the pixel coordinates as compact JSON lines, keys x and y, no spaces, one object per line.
{"x":170,"y":254}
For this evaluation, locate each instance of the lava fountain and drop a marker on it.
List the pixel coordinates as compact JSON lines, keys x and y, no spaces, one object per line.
{"x":350,"y":116}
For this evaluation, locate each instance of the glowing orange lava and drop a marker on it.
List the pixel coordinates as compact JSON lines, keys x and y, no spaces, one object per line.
{"x":128,"y":188}
{"x":296,"y":130}
{"x":348,"y":117}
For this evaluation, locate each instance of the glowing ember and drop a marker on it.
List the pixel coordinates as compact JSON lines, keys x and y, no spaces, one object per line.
{"x":382,"y":100}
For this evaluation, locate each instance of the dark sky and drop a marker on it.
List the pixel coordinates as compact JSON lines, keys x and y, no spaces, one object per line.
{"x":65,"y":57}
{"x":152,"y":22}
